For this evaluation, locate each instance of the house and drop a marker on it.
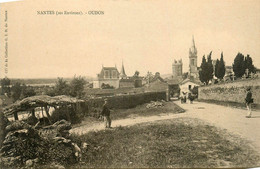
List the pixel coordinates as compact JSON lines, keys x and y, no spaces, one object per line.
{"x":108,"y":76}
{"x":173,"y":86}
{"x":188,"y":84}
{"x":156,"y":83}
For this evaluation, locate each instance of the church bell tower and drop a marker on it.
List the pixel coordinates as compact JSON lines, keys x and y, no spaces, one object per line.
{"x":193,"y":69}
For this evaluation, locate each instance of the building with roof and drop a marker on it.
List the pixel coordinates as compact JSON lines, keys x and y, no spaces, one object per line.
{"x":177,"y":68}
{"x":107,"y":76}
{"x":110,"y":77}
{"x":188,"y":84}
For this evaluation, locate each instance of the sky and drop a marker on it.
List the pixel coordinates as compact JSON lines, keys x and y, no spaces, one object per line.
{"x":144,"y":35}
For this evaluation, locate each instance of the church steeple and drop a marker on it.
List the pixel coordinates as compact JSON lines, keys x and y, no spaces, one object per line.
{"x":193,"y":71}
{"x":193,"y":49}
{"x":122,"y":72}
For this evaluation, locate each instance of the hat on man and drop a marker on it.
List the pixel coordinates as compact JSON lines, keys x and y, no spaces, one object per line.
{"x":249,"y":88}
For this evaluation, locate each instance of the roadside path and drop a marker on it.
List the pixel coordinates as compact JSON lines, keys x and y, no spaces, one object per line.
{"x":231,"y":119}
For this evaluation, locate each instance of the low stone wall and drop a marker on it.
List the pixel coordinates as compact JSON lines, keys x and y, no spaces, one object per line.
{"x":231,"y":92}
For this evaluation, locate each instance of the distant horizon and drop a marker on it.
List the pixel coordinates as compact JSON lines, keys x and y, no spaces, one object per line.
{"x":144,"y":36}
{"x":94,"y":77}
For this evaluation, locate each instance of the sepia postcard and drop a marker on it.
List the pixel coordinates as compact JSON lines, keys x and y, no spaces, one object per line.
{"x":130,"y":84}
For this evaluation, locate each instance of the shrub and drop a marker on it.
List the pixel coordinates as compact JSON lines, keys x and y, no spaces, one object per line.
{"x":69,"y":114}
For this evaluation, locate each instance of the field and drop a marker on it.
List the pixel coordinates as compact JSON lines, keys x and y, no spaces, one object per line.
{"x":181,"y":142}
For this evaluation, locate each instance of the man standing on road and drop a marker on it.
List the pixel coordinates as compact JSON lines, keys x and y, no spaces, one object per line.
{"x":106,"y":114}
{"x":249,"y":100}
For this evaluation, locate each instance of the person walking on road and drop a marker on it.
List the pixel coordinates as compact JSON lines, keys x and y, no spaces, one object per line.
{"x":106,"y":114}
{"x":249,"y":100}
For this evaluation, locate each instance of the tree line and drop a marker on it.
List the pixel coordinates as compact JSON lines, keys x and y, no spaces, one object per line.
{"x":18,"y":91}
{"x":242,"y":66}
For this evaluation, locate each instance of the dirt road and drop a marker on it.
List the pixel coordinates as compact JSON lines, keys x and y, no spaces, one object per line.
{"x":231,"y":119}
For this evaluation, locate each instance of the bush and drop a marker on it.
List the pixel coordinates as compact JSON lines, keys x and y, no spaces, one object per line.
{"x":106,"y":86}
{"x":60,"y":153}
{"x":62,"y":114}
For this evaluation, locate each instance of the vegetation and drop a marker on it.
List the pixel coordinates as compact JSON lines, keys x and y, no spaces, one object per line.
{"x":185,"y":75}
{"x":141,"y":110}
{"x":220,"y":68}
{"x":106,"y":86}
{"x":249,"y":65}
{"x":206,"y":72}
{"x":75,"y":88}
{"x":137,"y":73}
{"x":176,"y":143}
{"x":61,"y":87}
{"x":5,"y":86}
{"x":241,"y":64}
{"x":19,"y":91}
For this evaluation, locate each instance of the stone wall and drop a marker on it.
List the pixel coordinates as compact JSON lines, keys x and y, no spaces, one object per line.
{"x":231,"y":92}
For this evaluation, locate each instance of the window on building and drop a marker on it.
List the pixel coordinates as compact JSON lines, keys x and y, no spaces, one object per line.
{"x":106,"y":74}
{"x":193,"y":62}
{"x":114,"y":74}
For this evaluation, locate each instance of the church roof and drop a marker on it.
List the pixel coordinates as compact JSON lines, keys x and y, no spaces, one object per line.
{"x":193,"y":48}
{"x":109,"y":68}
{"x":122,"y":72}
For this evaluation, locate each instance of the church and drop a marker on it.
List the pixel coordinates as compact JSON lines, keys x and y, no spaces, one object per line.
{"x":193,"y":68}
{"x":192,"y":78}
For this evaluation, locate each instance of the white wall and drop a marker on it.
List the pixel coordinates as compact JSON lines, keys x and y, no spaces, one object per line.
{"x":96,"y":84}
{"x":185,"y":87}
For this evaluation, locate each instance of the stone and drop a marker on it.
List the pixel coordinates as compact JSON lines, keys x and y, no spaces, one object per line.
{"x":29,"y":163}
{"x":17,"y":125}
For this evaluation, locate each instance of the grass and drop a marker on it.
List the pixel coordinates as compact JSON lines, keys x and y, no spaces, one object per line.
{"x":231,"y":104}
{"x":181,"y":142}
{"x":139,"y":110}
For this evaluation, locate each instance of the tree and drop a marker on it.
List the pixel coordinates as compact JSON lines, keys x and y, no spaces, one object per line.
{"x":28,"y":91}
{"x":202,"y":72}
{"x":19,"y":91}
{"x":249,"y":65}
{"x":136,"y":73}
{"x":149,"y":76}
{"x":209,"y":68}
{"x":5,"y":86}
{"x":217,"y":69}
{"x":61,"y":87}
{"x":221,"y":67}
{"x":185,"y":75}
{"x":206,"y":69}
{"x":16,"y":91}
{"x":239,"y":65}
{"x":77,"y":87}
